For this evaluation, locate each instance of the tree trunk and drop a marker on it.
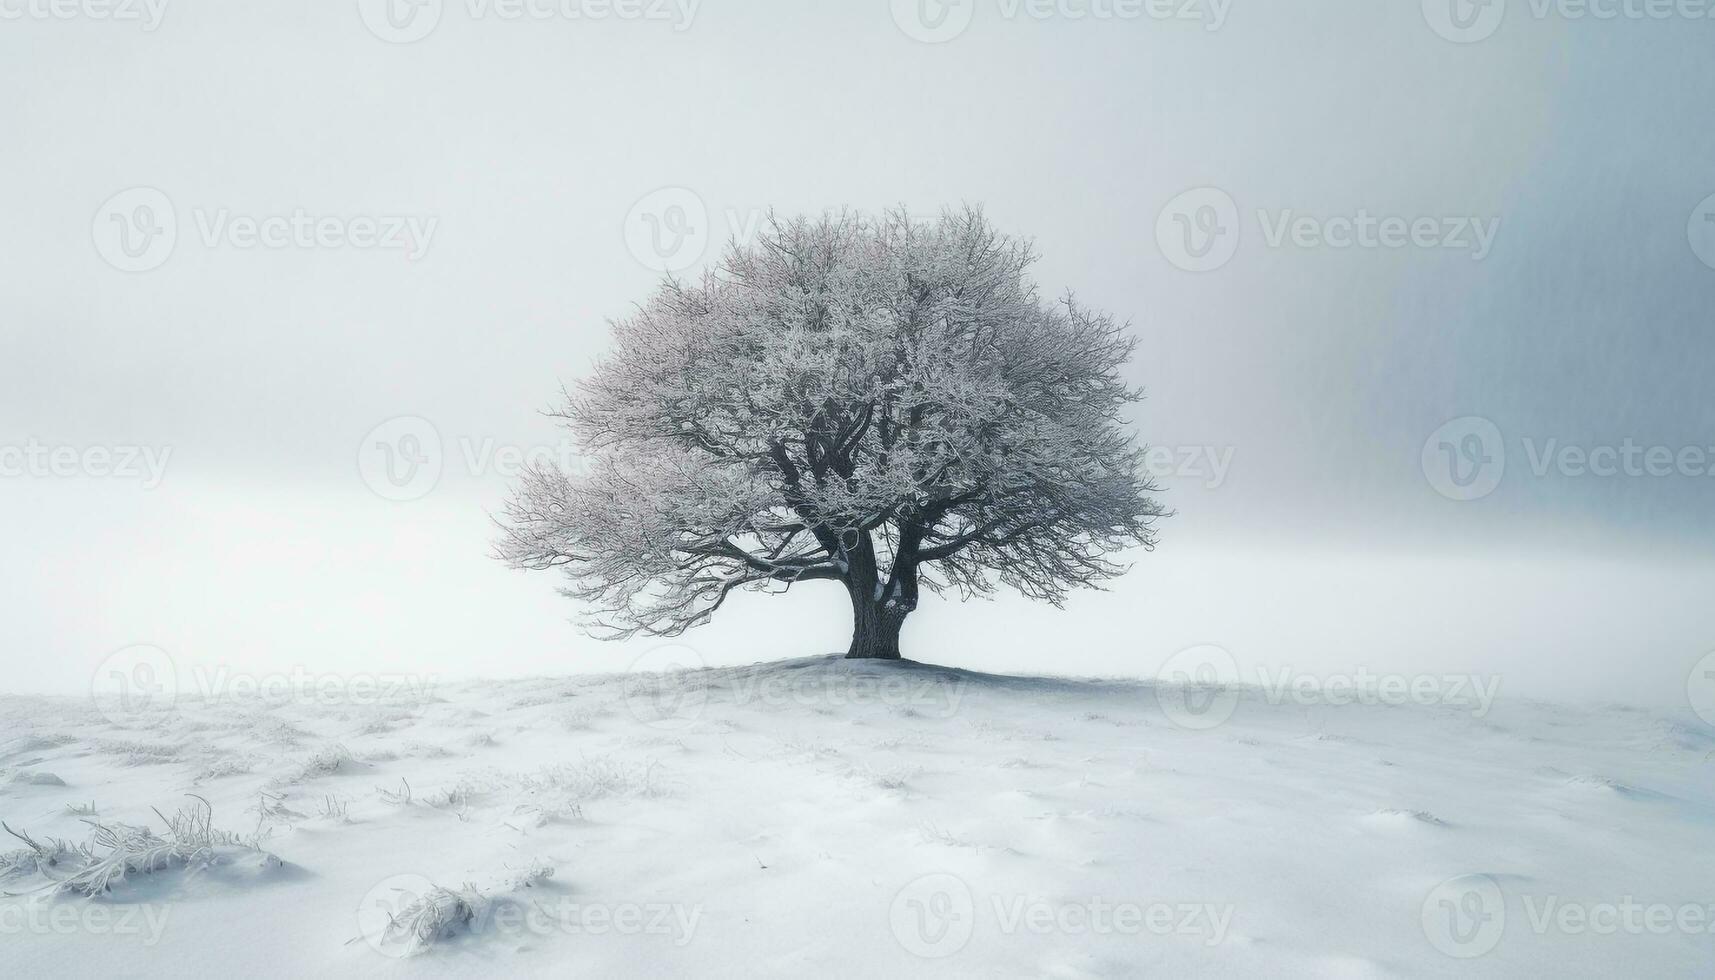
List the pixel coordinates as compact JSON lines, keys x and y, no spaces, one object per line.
{"x":875,"y":628}
{"x":879,"y":606}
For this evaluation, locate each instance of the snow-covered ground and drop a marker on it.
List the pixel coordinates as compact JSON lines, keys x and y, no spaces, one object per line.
{"x":827,"y":818}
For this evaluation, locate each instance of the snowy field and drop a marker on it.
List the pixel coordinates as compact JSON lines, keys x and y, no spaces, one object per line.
{"x":827,"y":818}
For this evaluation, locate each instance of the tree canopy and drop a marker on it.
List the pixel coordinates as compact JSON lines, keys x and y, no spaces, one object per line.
{"x":879,"y":401}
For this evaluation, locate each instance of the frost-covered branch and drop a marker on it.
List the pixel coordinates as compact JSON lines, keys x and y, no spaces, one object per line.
{"x":868,"y":400}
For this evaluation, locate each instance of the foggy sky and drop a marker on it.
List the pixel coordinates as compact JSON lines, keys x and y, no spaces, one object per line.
{"x":1318,"y":372}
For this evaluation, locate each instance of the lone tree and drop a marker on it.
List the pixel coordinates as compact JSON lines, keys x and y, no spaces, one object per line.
{"x":879,"y":402}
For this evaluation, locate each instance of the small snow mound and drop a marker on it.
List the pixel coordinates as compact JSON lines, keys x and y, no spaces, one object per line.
{"x":326,"y":761}
{"x":1684,"y":738}
{"x":433,"y":917}
{"x":140,"y":753}
{"x":277,"y":732}
{"x":1393,"y":817}
{"x":1603,"y":784}
{"x":1352,"y":967}
{"x":408,"y":915}
{"x":34,"y":743}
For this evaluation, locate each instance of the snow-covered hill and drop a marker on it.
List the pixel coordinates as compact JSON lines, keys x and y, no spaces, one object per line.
{"x":828,"y":818}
